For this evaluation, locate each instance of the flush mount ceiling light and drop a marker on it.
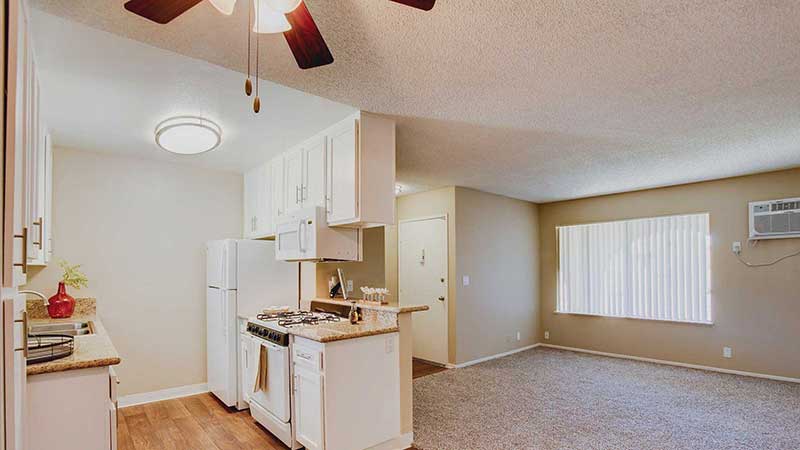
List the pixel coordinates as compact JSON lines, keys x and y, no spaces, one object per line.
{"x":188,"y":135}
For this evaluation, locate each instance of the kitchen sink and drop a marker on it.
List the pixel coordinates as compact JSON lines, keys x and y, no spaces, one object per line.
{"x":67,"y":328}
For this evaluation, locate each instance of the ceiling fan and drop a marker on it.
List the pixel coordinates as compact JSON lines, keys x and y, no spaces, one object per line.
{"x":291,"y":17}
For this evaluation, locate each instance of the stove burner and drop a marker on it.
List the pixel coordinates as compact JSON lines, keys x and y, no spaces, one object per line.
{"x":293,"y":318}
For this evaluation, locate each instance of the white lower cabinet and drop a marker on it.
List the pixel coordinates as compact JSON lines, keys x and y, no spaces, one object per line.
{"x":73,"y":410}
{"x":347,"y":393}
{"x":309,"y":407}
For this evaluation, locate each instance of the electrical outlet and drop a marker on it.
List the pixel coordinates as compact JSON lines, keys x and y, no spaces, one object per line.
{"x":349,"y":285}
{"x":737,"y":247}
{"x":546,"y":335}
{"x":465,"y":280}
{"x":727,"y":352}
{"x":519,"y":336}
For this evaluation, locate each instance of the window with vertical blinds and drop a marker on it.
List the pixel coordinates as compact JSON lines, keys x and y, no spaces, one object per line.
{"x":655,"y":268}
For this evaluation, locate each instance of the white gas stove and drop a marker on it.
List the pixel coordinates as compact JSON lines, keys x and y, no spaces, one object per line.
{"x":273,"y":326}
{"x":267,"y":349}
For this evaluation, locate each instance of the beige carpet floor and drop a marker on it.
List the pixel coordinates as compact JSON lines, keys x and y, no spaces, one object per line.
{"x":553,"y":399}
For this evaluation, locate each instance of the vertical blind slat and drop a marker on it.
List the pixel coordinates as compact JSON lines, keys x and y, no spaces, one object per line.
{"x":655,"y":268}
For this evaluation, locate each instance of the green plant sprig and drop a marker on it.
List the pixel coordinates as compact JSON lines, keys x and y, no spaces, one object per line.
{"x":73,"y":277}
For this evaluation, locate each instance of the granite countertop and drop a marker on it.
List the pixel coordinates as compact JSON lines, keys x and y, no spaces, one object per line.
{"x":93,"y":350}
{"x":375,"y":306}
{"x":338,"y":331}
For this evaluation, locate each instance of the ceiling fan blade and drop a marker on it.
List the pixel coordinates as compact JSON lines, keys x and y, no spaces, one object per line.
{"x":160,"y":11}
{"x":305,"y":40}
{"x":425,"y":5}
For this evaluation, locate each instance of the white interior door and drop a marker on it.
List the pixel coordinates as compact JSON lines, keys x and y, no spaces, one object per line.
{"x":422,"y":265}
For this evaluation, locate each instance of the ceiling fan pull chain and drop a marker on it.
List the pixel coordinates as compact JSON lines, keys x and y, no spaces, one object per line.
{"x":248,"y":85}
{"x":257,"y":101}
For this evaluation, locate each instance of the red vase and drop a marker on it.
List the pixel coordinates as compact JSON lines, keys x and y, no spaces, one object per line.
{"x":61,"y":305}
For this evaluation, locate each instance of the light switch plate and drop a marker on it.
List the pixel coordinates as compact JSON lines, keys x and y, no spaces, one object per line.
{"x":727,"y":352}
{"x":465,"y":280}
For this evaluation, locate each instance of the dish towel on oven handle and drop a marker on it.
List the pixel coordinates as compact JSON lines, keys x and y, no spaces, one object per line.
{"x":262,"y":381}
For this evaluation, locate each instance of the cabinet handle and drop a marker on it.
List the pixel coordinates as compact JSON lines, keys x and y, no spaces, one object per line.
{"x":297,"y":194}
{"x":24,"y":237}
{"x":304,"y":192}
{"x":40,"y":224}
{"x":24,"y":322}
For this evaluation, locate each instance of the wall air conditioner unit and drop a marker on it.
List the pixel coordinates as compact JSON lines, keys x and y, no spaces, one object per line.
{"x":775,"y":219}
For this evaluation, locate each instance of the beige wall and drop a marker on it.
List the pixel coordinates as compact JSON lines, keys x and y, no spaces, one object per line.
{"x":139,"y":229}
{"x":498,"y":248}
{"x":426,"y":204}
{"x":756,"y":311}
{"x":369,"y":272}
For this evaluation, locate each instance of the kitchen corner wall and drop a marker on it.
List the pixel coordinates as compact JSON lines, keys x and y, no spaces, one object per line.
{"x":756,"y":311}
{"x":498,"y":248}
{"x":139,"y":229}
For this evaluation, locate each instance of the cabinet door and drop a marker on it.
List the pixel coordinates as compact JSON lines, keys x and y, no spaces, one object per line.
{"x":293,"y":180}
{"x":309,"y":406}
{"x":15,"y":243}
{"x":250,"y":202}
{"x":313,"y":190}
{"x":278,"y":199}
{"x":263,"y":209}
{"x":47,"y":220}
{"x":342,"y":159}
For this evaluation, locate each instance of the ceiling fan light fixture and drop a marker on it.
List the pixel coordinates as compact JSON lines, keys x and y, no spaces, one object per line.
{"x":283,"y":6}
{"x":268,"y":20}
{"x":188,"y":135}
{"x":224,"y":6}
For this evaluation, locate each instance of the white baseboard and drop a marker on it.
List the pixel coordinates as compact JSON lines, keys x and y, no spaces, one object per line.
{"x":401,"y":442}
{"x":164,"y":394}
{"x":675,"y":363}
{"x":489,"y":358}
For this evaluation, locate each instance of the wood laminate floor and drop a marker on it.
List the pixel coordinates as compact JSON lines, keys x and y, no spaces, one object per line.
{"x":201,"y":422}
{"x":422,"y":368}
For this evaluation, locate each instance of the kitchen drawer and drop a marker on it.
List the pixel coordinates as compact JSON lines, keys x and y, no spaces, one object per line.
{"x":309,"y":356}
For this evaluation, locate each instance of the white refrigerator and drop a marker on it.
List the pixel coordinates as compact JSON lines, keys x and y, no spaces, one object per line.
{"x":243,"y":277}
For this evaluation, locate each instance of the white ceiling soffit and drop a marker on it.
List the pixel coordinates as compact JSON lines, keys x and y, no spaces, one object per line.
{"x":106,"y":93}
{"x":536,"y":100}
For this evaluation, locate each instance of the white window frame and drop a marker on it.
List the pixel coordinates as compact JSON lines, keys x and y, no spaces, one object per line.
{"x":623,"y":283}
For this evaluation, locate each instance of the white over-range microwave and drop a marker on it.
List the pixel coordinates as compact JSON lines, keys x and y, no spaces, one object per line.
{"x":304,"y":235}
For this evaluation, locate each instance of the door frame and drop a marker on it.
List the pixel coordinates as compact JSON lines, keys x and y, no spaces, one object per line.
{"x":446,"y":219}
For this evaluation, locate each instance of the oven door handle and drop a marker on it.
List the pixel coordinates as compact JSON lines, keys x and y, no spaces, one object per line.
{"x":300,"y":229}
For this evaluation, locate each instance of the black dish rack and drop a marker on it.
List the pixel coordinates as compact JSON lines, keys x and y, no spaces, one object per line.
{"x":49,"y":347}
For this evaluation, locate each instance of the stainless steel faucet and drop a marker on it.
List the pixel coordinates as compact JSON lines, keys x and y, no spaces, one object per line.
{"x":37,"y":294}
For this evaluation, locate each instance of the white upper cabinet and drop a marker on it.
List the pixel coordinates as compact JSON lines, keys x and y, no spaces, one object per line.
{"x":361,"y":172}
{"x":29,"y":156}
{"x":293,"y":180}
{"x":348,"y":169}
{"x":342,"y":172}
{"x":258,"y":199}
{"x":278,"y":198}
{"x":313,"y":190}
{"x":250,"y":200}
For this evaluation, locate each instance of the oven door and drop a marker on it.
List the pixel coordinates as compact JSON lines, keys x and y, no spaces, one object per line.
{"x":276,"y":397}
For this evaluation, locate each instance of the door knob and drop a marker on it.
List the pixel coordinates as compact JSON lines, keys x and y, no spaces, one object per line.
{"x":441,"y":299}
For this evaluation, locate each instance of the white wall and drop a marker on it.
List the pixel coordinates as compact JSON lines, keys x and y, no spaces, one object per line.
{"x":139,"y":227}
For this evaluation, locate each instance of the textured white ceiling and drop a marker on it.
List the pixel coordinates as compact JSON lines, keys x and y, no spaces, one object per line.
{"x":535,"y":99}
{"x":106,"y":93}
